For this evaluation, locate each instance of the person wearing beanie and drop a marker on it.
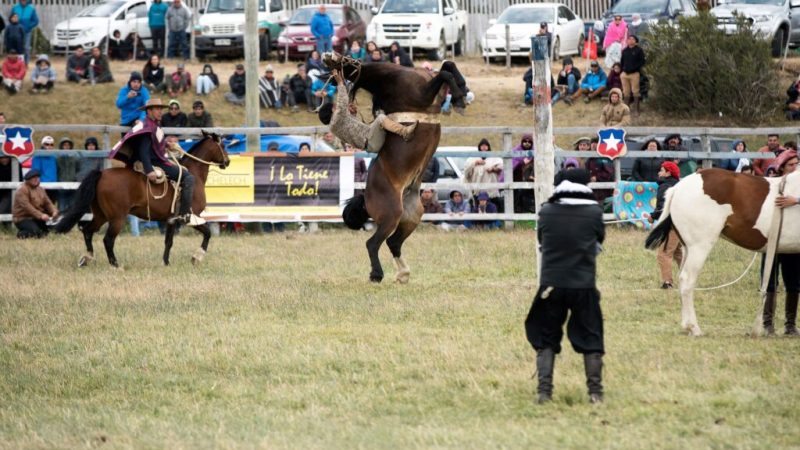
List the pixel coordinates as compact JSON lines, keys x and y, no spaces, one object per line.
{"x":668,"y":175}
{"x":175,"y":118}
{"x":87,"y":165}
{"x":616,"y":113}
{"x":43,"y":76}
{"x":570,"y":232}
{"x":131,"y":98}
{"x":483,"y":205}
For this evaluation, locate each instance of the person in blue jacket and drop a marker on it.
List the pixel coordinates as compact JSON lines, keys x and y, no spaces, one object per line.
{"x":593,"y":84}
{"x":322,"y":29}
{"x":131,"y":98}
{"x":156,"y":20}
{"x":14,"y":37}
{"x":29,"y":21}
{"x":47,"y":166}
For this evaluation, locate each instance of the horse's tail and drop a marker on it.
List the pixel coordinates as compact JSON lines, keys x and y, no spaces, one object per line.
{"x":83,"y":201}
{"x":355,"y":213}
{"x":660,"y":233}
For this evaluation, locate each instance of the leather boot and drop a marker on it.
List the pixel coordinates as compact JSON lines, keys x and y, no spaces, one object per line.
{"x":185,"y":215}
{"x":406,"y":132}
{"x":636,"y":106}
{"x":791,"y":314}
{"x":545,"y":360}
{"x":769,"y":313}
{"x":593,"y":365}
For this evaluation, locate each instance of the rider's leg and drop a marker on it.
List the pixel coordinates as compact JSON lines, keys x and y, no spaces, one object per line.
{"x":405,"y":131}
{"x":185,"y":214}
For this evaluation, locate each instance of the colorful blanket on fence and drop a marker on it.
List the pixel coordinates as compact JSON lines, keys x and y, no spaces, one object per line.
{"x":634,"y":201}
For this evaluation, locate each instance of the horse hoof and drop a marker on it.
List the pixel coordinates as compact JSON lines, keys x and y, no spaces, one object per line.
{"x":402,"y":277}
{"x":84,"y":261}
{"x":198,"y":256}
{"x":375,"y":278}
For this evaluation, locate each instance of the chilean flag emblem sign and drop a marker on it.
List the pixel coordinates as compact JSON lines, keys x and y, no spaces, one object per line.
{"x":18,"y":142}
{"x":611,"y":143}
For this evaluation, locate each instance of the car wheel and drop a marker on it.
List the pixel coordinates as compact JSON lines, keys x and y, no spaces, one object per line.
{"x":581,"y":42}
{"x":461,"y":43}
{"x":441,"y":52}
{"x":777,"y":43}
{"x":556,"y":49}
{"x":264,"y":44}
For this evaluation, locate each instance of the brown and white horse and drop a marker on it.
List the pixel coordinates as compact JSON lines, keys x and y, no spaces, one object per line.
{"x":715,"y":202}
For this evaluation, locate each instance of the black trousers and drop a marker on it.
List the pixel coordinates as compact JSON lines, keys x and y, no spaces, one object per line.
{"x":789,"y":267}
{"x":545,"y":322}
{"x":29,"y":228}
{"x":158,"y":35}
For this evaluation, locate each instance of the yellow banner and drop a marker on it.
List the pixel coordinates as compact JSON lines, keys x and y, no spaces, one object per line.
{"x":235,"y":184}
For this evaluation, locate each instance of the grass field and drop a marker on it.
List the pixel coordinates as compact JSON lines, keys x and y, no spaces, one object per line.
{"x":278,"y":341}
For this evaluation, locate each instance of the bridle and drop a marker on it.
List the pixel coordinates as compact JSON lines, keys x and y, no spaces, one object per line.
{"x":221,"y":165}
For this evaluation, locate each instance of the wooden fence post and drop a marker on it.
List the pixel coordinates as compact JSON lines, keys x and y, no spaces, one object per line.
{"x":251,"y":74}
{"x":508,"y":172}
{"x":706,"y":140}
{"x":542,"y":129}
{"x":508,"y":46}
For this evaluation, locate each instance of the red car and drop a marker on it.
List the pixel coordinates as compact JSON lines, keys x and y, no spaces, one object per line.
{"x":299,"y":40}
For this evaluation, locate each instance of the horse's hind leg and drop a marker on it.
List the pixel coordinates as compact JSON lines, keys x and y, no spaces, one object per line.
{"x":169,"y":235}
{"x":384,"y":229}
{"x":200,"y":253}
{"x":89,"y":229}
{"x":114,"y":227}
{"x":694,"y":258}
{"x":395,"y":243}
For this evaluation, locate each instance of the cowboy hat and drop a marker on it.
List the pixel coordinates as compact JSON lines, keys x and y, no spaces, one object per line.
{"x":153,"y":103}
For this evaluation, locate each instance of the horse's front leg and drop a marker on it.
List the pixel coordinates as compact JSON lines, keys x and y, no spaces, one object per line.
{"x":114,"y":227}
{"x":169,"y":235}
{"x":695,"y":257}
{"x":200,"y":253}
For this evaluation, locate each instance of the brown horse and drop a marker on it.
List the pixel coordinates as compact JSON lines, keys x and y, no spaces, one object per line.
{"x":112,"y":194}
{"x":391,"y":197}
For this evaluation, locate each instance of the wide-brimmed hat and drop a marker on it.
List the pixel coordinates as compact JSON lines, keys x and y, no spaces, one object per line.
{"x":153,"y":103}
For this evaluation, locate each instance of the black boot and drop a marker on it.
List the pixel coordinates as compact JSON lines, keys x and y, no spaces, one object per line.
{"x":791,"y":314}
{"x":769,"y":313}
{"x":185,"y":202}
{"x":545,"y":360}
{"x":593,"y":365}
{"x":636,"y":106}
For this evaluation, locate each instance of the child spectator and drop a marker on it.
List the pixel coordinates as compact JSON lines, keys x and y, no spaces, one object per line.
{"x":237,"y":84}
{"x":32,"y":208}
{"x":99,"y":70}
{"x":614,"y":80}
{"x":86,"y":165}
{"x":14,"y":38}
{"x":179,"y":82}
{"x":78,"y":66}
{"x":207,"y":81}
{"x":153,"y":74}
{"x":199,"y":118}
{"x":175,"y":118}
{"x":13,"y":72}
{"x":43,"y":76}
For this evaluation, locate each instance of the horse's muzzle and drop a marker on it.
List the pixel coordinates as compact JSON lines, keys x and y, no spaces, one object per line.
{"x":331,"y":59}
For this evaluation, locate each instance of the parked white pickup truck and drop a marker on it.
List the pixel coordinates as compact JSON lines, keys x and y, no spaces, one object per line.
{"x":429,"y":25}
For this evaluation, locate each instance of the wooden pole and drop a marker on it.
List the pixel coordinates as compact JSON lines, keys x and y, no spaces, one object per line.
{"x":542,"y":129}
{"x":251,"y":74}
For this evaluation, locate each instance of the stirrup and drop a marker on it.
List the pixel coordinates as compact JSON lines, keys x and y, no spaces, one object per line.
{"x":189,"y":219}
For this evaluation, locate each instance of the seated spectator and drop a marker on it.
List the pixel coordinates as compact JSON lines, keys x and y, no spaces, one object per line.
{"x":357,"y":52}
{"x":78,"y":66}
{"x":199,"y":118}
{"x":43,"y":76}
{"x":748,"y":170}
{"x":674,"y":143}
{"x":237,"y":84}
{"x":429,"y":203}
{"x":207,"y":81}
{"x":568,"y":80}
{"x":32,"y":208}
{"x":570,"y":164}
{"x":13,"y":71}
{"x":137,"y":49}
{"x":485,"y":170}
{"x":118,"y":49}
{"x":592,"y":85}
{"x":300,"y":89}
{"x":153,"y":75}
{"x":314,"y":61}
{"x":331,"y":139}
{"x":175,"y":118}
{"x":87,"y":165}
{"x":7,"y":175}
{"x":483,"y":206}
{"x":615,"y":113}
{"x":790,"y":145}
{"x":322,"y":93}
{"x":646,"y":169}
{"x":456,"y":206}
{"x":14,"y":37}
{"x":370,"y":47}
{"x":736,"y":164}
{"x":614,"y":80}
{"x":601,"y":170}
{"x":67,"y":172}
{"x":99,"y":69}
{"x":773,"y":146}
{"x":305,"y":147}
{"x":376,"y":56}
{"x":792,"y":102}
{"x":399,"y":56}
{"x":269,"y":93}
{"x":179,"y":82}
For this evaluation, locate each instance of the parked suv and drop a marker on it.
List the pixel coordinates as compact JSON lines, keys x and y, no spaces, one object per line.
{"x":220,"y":29}
{"x":772,"y":19}
{"x":651,"y":11}
{"x":300,"y":42}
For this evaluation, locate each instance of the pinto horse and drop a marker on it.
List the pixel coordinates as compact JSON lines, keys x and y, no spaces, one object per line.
{"x":715,"y":202}
{"x":112,"y":194}
{"x":391,"y":197}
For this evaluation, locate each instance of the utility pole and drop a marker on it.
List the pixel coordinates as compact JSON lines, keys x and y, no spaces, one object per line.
{"x":542,"y":128}
{"x":251,"y":73}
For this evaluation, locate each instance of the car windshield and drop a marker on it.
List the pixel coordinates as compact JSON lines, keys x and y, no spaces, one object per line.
{"x":303,"y":16}
{"x":526,"y":15}
{"x":101,"y":9}
{"x":639,"y":6}
{"x":411,"y":6}
{"x":230,"y":6}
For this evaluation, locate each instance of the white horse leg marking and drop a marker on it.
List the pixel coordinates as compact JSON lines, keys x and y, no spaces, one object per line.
{"x":198,"y":256}
{"x":403,"y":271}
{"x":692,"y":265}
{"x":85,"y":259}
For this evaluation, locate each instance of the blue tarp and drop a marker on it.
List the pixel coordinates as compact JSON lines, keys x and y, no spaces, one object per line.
{"x":237,"y":143}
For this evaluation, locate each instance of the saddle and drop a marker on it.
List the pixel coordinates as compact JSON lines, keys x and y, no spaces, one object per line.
{"x":161,"y":178}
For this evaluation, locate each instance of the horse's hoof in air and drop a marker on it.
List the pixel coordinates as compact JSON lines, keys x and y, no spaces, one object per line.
{"x":460,"y":110}
{"x":85,"y":260}
{"x":198,"y":256}
{"x":402,"y":277}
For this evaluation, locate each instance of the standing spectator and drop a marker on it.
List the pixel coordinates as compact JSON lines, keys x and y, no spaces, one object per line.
{"x":614,"y":40}
{"x":570,"y":233}
{"x":43,"y":76}
{"x":314,"y":61}
{"x":632,"y":62}
{"x":14,"y":38}
{"x":615,"y":113}
{"x":156,"y":19}
{"x":237,"y":84}
{"x":86,"y":165}
{"x":456,"y":206}
{"x":47,"y":165}
{"x":322,"y":29}
{"x":175,"y":118}
{"x":178,"y":20}
{"x":300,"y":88}
{"x":399,"y":56}
{"x":638,"y":26}
{"x":78,"y":66}
{"x":13,"y":70}
{"x":179,"y":82}
{"x":207,"y":81}
{"x":483,"y":205}
{"x":131,"y":99}
{"x":32,"y":208}
{"x":773,"y":146}
{"x":67,"y":172}
{"x":118,"y":48}
{"x":668,"y":176}
{"x":319,"y":90}
{"x":614,"y":80}
{"x":485,"y":170}
{"x":153,"y":75}
{"x":647,"y":169}
{"x":29,"y":21}
{"x":99,"y":70}
{"x":592,"y":85}
{"x":357,"y":52}
{"x":568,"y":81}
{"x":736,"y":164}
{"x":269,"y":92}
{"x":199,"y":118}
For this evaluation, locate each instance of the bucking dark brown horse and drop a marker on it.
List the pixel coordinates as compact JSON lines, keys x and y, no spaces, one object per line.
{"x":112,"y":194}
{"x":391,"y":197}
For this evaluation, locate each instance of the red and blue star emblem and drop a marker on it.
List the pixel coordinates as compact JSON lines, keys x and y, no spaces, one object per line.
{"x":611,"y":143}
{"x":18,"y":142}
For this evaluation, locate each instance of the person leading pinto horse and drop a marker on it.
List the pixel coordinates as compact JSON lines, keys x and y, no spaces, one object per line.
{"x":146,"y":143}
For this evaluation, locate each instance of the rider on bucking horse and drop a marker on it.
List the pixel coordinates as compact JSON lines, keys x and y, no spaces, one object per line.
{"x":146,"y":143}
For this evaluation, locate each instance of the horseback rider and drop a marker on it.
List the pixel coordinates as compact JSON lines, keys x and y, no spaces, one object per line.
{"x":146,"y":143}
{"x":344,"y":124}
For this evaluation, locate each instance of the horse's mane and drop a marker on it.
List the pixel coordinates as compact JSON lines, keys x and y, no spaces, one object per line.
{"x":196,"y":144}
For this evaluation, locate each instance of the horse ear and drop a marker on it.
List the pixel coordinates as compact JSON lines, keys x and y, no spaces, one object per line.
{"x":205,"y":133}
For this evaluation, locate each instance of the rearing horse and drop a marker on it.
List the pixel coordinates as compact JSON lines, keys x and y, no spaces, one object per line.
{"x":112,"y":194}
{"x":391,"y":197}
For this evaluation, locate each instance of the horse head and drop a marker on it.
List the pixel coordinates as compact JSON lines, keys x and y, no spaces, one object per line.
{"x":350,"y":67}
{"x":210,"y":149}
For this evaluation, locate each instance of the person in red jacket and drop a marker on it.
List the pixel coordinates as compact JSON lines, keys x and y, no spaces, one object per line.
{"x":14,"y":69}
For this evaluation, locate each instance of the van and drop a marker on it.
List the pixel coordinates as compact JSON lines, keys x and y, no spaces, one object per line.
{"x":220,"y":30}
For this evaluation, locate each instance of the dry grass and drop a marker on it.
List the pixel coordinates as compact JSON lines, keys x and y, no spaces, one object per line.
{"x":278,"y":341}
